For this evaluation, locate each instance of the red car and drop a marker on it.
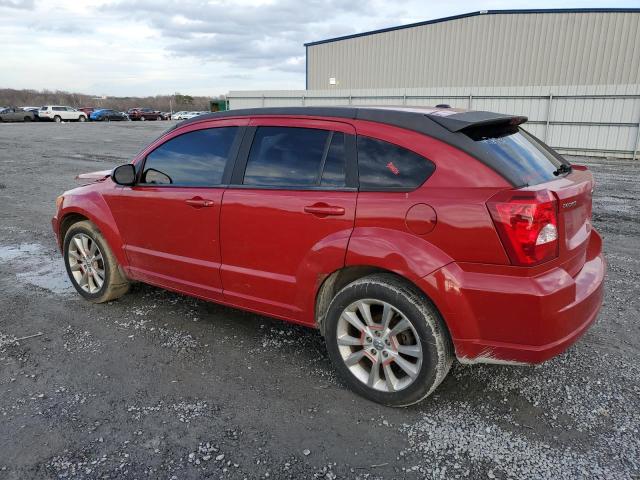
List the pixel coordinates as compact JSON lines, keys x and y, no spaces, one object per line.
{"x":144,"y":114}
{"x":409,"y":237}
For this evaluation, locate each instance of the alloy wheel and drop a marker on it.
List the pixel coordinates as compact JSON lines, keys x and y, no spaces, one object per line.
{"x":379,"y":345}
{"x":86,"y":263}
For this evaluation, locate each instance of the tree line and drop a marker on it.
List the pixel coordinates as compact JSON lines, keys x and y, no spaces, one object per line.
{"x":36,"y":98}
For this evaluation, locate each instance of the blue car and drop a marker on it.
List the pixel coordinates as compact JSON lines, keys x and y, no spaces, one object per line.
{"x":107,"y":115}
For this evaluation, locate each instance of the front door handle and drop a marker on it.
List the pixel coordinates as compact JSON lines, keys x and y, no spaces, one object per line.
{"x":323,"y":210}
{"x":198,"y":202}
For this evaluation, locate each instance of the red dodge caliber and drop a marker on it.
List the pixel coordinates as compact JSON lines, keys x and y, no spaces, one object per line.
{"x":407,"y":236}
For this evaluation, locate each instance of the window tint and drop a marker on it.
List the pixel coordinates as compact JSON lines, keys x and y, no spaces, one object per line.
{"x":384,"y":166}
{"x":194,"y":159}
{"x":333,"y":174}
{"x":59,"y":109}
{"x":289,"y":156}
{"x":518,"y":154}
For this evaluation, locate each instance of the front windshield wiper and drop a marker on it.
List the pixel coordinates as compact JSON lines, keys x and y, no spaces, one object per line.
{"x":564,"y":168}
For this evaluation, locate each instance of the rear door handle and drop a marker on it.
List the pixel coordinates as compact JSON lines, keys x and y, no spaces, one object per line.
{"x":198,"y":202}
{"x":323,"y":210}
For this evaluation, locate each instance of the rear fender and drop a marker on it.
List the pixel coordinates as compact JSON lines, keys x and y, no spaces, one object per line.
{"x":403,"y":253}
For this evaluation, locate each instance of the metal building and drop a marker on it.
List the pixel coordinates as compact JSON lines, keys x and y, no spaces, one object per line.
{"x":574,"y":72}
{"x":487,"y":48}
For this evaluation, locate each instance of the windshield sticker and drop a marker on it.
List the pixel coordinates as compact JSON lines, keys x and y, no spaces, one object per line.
{"x":393,"y":168}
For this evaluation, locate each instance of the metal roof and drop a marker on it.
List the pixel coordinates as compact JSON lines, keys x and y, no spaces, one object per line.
{"x":474,"y":14}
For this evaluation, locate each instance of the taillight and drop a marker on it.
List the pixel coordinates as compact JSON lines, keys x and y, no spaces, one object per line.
{"x":527,"y":223}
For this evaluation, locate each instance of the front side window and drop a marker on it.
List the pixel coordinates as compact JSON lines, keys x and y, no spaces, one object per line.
{"x":296,"y":157}
{"x":385,"y":166}
{"x":194,"y":159}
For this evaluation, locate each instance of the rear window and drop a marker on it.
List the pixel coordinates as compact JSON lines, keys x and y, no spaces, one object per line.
{"x":518,"y":154}
{"x":385,"y":166}
{"x":296,"y":157}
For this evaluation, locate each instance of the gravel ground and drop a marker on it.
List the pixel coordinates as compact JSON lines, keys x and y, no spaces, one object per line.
{"x":157,"y":385}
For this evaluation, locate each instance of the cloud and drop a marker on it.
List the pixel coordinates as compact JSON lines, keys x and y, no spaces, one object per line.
{"x":18,"y":4}
{"x":265,"y":35}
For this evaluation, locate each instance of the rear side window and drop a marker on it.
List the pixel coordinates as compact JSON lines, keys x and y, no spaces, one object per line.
{"x":296,"y":157}
{"x":518,"y":154}
{"x":194,"y":159}
{"x":385,"y":166}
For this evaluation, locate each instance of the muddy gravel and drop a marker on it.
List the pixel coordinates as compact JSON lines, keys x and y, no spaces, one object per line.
{"x":157,"y":385}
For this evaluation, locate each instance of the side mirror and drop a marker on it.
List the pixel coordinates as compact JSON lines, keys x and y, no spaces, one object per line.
{"x":124,"y":175}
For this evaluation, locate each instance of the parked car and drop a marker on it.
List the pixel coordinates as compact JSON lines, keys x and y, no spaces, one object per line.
{"x":14,"y":114}
{"x":107,"y":115}
{"x":144,"y":114}
{"x":165,"y":115}
{"x":59,"y":114}
{"x":188,"y":115}
{"x":178,"y":115}
{"x":408,"y":236}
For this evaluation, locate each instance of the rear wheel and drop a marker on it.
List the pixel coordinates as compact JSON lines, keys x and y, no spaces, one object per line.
{"x":387,"y":341}
{"x":159,"y":118}
{"x":82,"y":118}
{"x":92,"y":267}
{"x":57,"y":119}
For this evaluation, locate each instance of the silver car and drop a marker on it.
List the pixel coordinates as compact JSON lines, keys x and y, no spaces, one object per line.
{"x":14,"y":114}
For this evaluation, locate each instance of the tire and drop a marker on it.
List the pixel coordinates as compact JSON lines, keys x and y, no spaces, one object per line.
{"x":423,"y":347}
{"x":57,"y":119}
{"x":114,"y":283}
{"x":159,"y":118}
{"x":142,"y":119}
{"x":27,"y":119}
{"x":82,"y":118}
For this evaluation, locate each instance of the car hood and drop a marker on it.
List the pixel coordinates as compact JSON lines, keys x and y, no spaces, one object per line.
{"x":91,"y":177}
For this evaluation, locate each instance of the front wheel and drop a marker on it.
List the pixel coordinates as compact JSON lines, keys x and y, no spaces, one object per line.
{"x":92,"y":267}
{"x":387,"y":341}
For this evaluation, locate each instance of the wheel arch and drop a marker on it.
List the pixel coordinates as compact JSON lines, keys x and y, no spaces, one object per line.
{"x":342,"y":277}
{"x":107,"y":228}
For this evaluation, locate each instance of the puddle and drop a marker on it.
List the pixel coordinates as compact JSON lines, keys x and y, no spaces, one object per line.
{"x":33,"y":265}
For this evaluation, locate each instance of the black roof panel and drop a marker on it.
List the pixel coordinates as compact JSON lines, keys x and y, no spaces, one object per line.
{"x":445,"y":124}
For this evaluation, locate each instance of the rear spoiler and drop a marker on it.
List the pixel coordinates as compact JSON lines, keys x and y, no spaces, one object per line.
{"x":457,"y":121}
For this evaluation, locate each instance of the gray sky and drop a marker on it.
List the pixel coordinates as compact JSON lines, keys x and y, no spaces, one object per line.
{"x":198,"y":47}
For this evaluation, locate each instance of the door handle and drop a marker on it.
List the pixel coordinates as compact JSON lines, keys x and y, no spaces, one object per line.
{"x":323,"y":210}
{"x":198,"y":202}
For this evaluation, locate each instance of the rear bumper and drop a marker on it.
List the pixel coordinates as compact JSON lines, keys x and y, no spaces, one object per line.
{"x":518,"y":319}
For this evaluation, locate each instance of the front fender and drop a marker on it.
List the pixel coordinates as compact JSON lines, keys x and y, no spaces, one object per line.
{"x":91,"y":204}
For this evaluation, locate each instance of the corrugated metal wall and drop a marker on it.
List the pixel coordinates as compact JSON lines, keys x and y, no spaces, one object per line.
{"x":600,"y":120}
{"x":495,"y":49}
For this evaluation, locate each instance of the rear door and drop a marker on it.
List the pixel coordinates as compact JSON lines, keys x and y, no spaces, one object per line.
{"x":287,"y":217}
{"x":169,"y":221}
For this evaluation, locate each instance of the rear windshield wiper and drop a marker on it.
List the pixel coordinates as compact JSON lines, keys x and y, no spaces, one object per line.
{"x":564,"y":168}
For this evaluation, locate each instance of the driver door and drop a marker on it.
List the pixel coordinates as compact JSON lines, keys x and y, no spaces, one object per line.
{"x":169,"y":220}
